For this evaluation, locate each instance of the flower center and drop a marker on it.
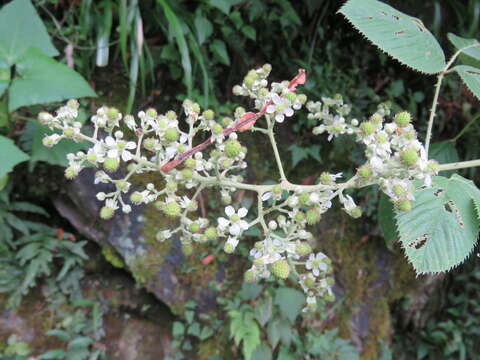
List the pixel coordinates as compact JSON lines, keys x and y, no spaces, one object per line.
{"x":234,"y":218}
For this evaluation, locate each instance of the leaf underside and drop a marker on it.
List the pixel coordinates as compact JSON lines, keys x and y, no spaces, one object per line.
{"x":403,"y":37}
{"x":461,"y":43}
{"x":471,"y":78}
{"x":442,"y":228}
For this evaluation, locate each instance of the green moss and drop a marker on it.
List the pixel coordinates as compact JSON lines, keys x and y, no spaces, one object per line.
{"x":110,"y":255}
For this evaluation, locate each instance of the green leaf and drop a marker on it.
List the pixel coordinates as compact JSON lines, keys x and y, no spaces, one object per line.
{"x":300,"y":153}
{"x":476,"y":204}
{"x":219,"y":49}
{"x":444,"y":152}
{"x":471,"y":77}
{"x":224,"y":5}
{"x":203,"y":28}
{"x":263,"y":311}
{"x":42,"y":79}
{"x":273,"y":333}
{"x":290,"y":301}
{"x":178,"y":329}
{"x":53,"y":354}
{"x":60,"y":334}
{"x":194,"y":329}
{"x":442,"y":228}
{"x":461,"y":43}
{"x":177,"y":27}
{"x":20,"y":28}
{"x":80,"y":341}
{"x":403,"y":37}
{"x":5,"y":74}
{"x":386,"y":220}
{"x":249,"y":32}
{"x":262,"y":352}
{"x":11,"y":155}
{"x":33,"y":135}
{"x":206,"y":333}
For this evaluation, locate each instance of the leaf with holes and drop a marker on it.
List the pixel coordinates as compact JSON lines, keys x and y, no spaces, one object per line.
{"x":403,"y":37}
{"x":442,"y":229}
{"x":471,"y":77}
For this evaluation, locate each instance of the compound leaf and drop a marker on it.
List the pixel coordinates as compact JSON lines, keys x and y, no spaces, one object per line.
{"x":43,"y":80}
{"x":442,"y":228}
{"x":20,"y":28}
{"x":471,"y":77}
{"x":403,"y":37}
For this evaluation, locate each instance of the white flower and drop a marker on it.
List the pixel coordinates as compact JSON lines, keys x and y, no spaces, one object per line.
{"x":119,"y":148}
{"x":281,"y":107}
{"x":234,"y":223}
{"x":316,"y":263}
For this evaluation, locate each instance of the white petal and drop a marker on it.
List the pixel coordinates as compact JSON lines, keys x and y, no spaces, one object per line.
{"x":279,"y":118}
{"x":110,"y":141}
{"x":126,"y":156}
{"x":229,"y":210}
{"x":270,"y":109}
{"x":234,"y":229}
{"x":242,"y":212}
{"x":130,"y":145}
{"x":243,"y":224}
{"x":276,"y":99}
{"x":288,"y":112}
{"x":222,"y":222}
{"x":316,"y":272}
{"x":113,"y":153}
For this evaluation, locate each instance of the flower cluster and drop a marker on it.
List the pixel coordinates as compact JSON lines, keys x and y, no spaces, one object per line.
{"x":125,"y":146}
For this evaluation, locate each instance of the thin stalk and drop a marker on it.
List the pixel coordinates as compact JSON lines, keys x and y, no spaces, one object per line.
{"x":459,"y":165}
{"x":271,"y":136}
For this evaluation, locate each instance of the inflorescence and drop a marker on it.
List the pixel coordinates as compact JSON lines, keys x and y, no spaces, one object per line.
{"x":284,"y":211}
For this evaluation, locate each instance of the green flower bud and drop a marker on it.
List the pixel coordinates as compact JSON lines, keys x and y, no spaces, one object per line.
{"x":149,"y":144}
{"x":310,"y":282}
{"x":171,"y":115}
{"x":228,"y":248}
{"x":68,"y":132}
{"x":433,"y":166}
{"x":281,"y":269}
{"x":211,"y":233}
{"x":190,"y":163}
{"x":313,"y":216}
{"x":112,"y":113}
{"x":403,"y":118}
{"x":226,"y":121}
{"x":111,"y":164}
{"x":171,"y":135}
{"x":48,"y":141}
{"x":70,"y":173}
{"x":92,"y":158}
{"x":365,"y":172}
{"x":121,"y":185}
{"x":302,"y":98}
{"x":217,"y":129}
{"x":356,"y":212}
{"x":291,"y":97}
{"x":181,"y":148}
{"x":106,"y":212}
{"x":376,"y":119}
{"x":187,"y":173}
{"x":409,"y":157}
{"x":171,"y":186}
{"x":208,"y":114}
{"x":196,"y":108}
{"x":194,"y":228}
{"x":151,"y":113}
{"x":232,"y":148}
{"x":172,"y":209}
{"x":299,"y":216}
{"x":304,"y":198}
{"x":277,"y":190}
{"x":136,"y":198}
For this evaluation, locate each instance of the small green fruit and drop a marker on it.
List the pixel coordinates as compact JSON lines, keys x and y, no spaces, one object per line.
{"x":409,"y":157}
{"x":187,"y":173}
{"x":365,"y":172}
{"x":211,"y":233}
{"x":281,"y":269}
{"x":172,"y":209}
{"x":111,"y":164}
{"x":194,"y":228}
{"x":367,"y":128}
{"x":171,"y":135}
{"x":187,"y":249}
{"x":403,"y":118}
{"x":303,"y":248}
{"x":208,"y":114}
{"x":232,"y":148}
{"x":70,"y":173}
{"x":313,"y":216}
{"x":249,"y":276}
{"x":112,"y":113}
{"x":190,"y":163}
{"x":136,"y":197}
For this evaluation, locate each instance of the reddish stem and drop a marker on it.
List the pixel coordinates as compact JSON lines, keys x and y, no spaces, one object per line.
{"x":245,"y":123}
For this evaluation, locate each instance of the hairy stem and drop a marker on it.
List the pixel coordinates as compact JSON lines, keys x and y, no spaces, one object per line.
{"x":459,"y":165}
{"x":271,"y":136}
